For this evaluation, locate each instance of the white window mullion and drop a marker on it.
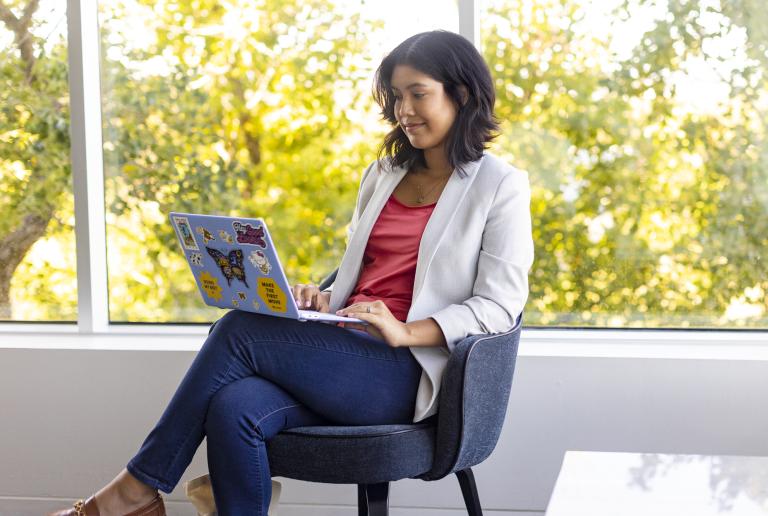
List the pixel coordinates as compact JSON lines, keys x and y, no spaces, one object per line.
{"x":469,"y":20}
{"x":87,"y":165}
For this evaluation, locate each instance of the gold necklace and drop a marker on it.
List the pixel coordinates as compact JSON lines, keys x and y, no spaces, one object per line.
{"x":421,"y":195}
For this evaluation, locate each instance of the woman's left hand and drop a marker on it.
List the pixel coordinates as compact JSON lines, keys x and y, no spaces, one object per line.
{"x":381,"y":323}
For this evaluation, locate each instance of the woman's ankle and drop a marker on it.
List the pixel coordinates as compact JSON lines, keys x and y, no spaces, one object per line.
{"x":132,"y":490}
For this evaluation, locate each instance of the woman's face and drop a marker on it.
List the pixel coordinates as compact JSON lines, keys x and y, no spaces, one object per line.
{"x":422,"y":108}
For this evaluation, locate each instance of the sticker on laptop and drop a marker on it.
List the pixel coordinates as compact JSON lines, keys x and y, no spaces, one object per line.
{"x":242,"y":296}
{"x":185,"y":231}
{"x":230,"y":265}
{"x":272,"y":295}
{"x":210,"y":285}
{"x":250,"y":235}
{"x":207,"y":235}
{"x":226,"y":237}
{"x":196,"y":259}
{"x":260,"y":261}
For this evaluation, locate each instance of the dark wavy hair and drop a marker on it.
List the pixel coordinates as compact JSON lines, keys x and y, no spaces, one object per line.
{"x":453,"y":61}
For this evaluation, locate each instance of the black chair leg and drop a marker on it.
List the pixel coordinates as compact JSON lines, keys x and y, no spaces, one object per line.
{"x":362,"y":501}
{"x":469,"y":490}
{"x":373,"y":499}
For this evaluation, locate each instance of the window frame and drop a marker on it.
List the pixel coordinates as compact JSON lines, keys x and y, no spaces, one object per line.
{"x":93,"y":330}
{"x":87,"y":167}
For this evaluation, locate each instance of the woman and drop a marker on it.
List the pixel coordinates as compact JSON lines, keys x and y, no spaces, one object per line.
{"x":439,"y":248}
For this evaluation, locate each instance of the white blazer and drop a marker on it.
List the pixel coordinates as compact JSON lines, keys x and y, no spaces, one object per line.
{"x":473,"y":261}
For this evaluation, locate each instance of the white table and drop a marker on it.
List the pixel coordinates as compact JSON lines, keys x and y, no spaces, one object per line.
{"x":637,"y":484}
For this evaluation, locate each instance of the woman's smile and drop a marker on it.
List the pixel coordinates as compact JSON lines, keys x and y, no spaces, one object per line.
{"x":410,"y":128}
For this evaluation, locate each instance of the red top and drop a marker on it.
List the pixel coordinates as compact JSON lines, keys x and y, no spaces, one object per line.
{"x":389,"y":262}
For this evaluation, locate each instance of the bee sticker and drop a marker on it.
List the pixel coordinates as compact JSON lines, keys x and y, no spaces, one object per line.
{"x":207,"y":236}
{"x":242,"y":296}
{"x":185,"y":233}
{"x":226,"y":237}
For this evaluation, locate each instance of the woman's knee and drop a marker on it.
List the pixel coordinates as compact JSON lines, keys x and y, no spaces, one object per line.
{"x":239,"y":323}
{"x":242,"y":407}
{"x":226,"y":414}
{"x":230,"y":330}
{"x":232,"y":320}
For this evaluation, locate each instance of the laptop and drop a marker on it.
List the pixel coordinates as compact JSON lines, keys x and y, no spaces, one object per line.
{"x":235,"y":265}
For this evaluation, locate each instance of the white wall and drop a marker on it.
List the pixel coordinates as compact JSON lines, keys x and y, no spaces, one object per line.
{"x":70,"y":419}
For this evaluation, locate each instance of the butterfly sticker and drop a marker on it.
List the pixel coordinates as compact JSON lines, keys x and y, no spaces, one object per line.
{"x":231,"y":265}
{"x":247,"y":234}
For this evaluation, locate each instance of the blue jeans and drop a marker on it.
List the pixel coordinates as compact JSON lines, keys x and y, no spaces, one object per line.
{"x":257,"y":375}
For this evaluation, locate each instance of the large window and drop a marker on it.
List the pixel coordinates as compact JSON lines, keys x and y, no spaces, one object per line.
{"x":641,"y":124}
{"x":37,"y":247}
{"x":643,"y":127}
{"x":248,"y":108}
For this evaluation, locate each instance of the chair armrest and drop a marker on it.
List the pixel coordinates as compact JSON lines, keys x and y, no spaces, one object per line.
{"x":473,"y":400}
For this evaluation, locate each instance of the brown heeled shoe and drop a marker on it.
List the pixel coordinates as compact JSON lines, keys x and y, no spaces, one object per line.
{"x":89,"y":508}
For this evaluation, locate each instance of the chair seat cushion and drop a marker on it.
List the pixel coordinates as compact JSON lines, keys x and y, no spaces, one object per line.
{"x":352,"y":454}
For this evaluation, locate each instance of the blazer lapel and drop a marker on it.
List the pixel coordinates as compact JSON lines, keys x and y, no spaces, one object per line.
{"x":350,"y":263}
{"x":453,"y":193}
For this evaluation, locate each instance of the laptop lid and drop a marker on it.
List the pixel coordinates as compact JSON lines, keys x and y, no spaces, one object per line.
{"x":235,"y":263}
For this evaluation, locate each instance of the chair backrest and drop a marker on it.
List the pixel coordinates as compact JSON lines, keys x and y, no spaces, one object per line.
{"x":473,"y":400}
{"x":328,"y":280}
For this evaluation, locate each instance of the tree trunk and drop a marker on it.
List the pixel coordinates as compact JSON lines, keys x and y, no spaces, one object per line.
{"x":15,"y":245}
{"x":13,"y":248}
{"x":22,"y":37}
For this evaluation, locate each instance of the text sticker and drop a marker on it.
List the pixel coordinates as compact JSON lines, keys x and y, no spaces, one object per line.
{"x":210,"y":285}
{"x":271,"y":294}
{"x":247,"y":234}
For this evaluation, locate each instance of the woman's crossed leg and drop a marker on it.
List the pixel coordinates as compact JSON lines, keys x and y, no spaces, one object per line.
{"x":256,"y":375}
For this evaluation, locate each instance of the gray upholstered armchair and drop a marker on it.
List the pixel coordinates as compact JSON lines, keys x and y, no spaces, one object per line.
{"x":464,"y":432}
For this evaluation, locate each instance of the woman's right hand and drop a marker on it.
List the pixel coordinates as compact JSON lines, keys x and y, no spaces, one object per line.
{"x":309,"y":297}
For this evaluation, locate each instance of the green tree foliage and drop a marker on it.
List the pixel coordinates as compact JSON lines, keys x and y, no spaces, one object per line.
{"x":35,"y":191}
{"x":243,"y":110}
{"x":647,"y":211}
